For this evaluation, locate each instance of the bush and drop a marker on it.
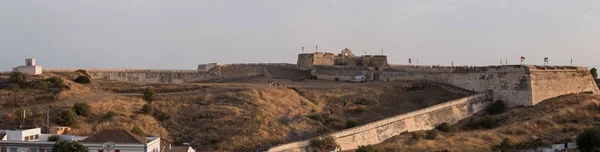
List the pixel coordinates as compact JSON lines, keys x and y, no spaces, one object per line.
{"x":82,"y":109}
{"x":83,"y":72}
{"x":67,"y":118}
{"x":324,"y":142}
{"x":68,"y":146}
{"x":487,"y":122}
{"x":56,"y":82}
{"x":337,"y":79}
{"x":417,"y":135}
{"x":53,"y":138}
{"x":445,"y":127}
{"x":147,"y":109}
{"x":367,"y":148}
{"x":149,"y":94}
{"x":506,"y":144}
{"x":161,"y":116}
{"x":109,"y":115}
{"x":431,"y":134}
{"x":351,"y":123}
{"x":137,"y":130}
{"x":495,"y":108}
{"x":83,"y":80}
{"x":589,"y":140}
{"x":17,"y":77}
{"x":594,"y":73}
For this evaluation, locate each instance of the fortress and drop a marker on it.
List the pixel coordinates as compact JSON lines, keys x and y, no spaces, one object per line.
{"x":516,"y":85}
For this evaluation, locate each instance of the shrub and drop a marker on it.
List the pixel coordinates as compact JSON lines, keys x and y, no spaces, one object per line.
{"x":56,"y":82}
{"x":147,"y":109}
{"x":487,"y":122}
{"x":83,"y":80}
{"x":337,"y":79}
{"x":367,"y":148}
{"x":82,"y":109}
{"x":17,"y":77}
{"x":67,"y":118}
{"x":594,"y":73}
{"x":68,"y":146}
{"x":431,"y":134}
{"x":53,"y":138}
{"x":137,"y":130}
{"x":495,"y":108}
{"x":589,"y":140}
{"x":324,"y":142}
{"x":83,"y":72}
{"x":41,"y":84}
{"x":109,"y":115}
{"x":161,"y":116}
{"x":149,"y":94}
{"x":417,"y":135}
{"x":351,"y":123}
{"x":445,"y":127}
{"x":506,"y":144}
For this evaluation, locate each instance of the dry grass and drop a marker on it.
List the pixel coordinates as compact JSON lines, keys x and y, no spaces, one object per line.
{"x":555,"y":120}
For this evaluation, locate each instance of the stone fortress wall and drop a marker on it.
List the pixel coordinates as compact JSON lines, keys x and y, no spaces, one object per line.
{"x":517,"y":85}
{"x":423,"y":119}
{"x":181,"y":76}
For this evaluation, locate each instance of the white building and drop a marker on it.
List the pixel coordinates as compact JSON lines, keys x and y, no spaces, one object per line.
{"x":24,"y":140}
{"x":186,"y":148}
{"x":29,"y":68}
{"x":121,"y":141}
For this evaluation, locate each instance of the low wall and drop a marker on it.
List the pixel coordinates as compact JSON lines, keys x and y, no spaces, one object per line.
{"x":423,"y":119}
{"x":145,"y":75}
{"x":342,"y":73}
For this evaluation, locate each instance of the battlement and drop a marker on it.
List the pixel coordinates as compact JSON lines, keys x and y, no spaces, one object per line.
{"x":89,"y":70}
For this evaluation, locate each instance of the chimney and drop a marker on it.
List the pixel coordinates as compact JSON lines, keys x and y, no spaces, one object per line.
{"x":169,"y":146}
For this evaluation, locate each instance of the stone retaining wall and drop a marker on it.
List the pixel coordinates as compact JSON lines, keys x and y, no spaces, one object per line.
{"x":423,"y":119}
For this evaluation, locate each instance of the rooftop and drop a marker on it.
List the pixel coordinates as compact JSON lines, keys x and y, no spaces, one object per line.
{"x":116,"y":136}
{"x":177,"y":149}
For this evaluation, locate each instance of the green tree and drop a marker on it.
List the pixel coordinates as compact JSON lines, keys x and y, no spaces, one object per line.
{"x":56,"y":82}
{"x":324,"y":142}
{"x":147,"y":109}
{"x":17,"y":78}
{"x":594,"y":73}
{"x":589,"y":140}
{"x":67,"y":118}
{"x":68,"y":146}
{"x":149,"y":94}
{"x":82,"y":109}
{"x":367,"y":148}
{"x":83,"y":80}
{"x":53,"y":138}
{"x":137,"y":130}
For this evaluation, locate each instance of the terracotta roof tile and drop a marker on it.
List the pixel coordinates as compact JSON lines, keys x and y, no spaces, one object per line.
{"x":177,"y":149}
{"x":116,"y":136}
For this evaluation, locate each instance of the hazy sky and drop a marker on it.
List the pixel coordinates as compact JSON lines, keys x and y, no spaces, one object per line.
{"x":162,"y":34}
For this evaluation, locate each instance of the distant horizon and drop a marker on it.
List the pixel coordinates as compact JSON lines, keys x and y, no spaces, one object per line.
{"x":179,"y":34}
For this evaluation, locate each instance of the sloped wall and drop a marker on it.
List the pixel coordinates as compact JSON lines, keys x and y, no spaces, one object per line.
{"x":423,"y":119}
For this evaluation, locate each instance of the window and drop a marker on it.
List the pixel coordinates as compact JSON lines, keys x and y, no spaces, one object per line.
{"x":33,"y":150}
{"x":48,"y":150}
{"x":26,"y":138}
{"x":31,"y":137}
{"x":37,"y":136}
{"x":13,"y":149}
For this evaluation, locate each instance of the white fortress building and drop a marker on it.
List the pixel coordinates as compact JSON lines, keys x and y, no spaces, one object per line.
{"x":29,"y":68}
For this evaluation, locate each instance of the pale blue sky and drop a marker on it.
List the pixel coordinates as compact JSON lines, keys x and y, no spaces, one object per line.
{"x":180,"y":34}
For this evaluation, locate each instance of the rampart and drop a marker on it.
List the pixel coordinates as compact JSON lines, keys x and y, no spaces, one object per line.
{"x":423,"y":119}
{"x":517,"y":85}
{"x":181,"y":76}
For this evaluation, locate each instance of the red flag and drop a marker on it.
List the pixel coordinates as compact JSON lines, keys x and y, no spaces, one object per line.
{"x":522,"y":58}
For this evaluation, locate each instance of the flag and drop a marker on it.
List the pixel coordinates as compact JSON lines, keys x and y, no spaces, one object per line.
{"x":522,"y":58}
{"x":317,"y":48}
{"x":302,"y":48}
{"x":409,"y":60}
{"x":545,"y":59}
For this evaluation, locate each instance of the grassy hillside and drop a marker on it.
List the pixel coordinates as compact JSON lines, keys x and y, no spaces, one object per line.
{"x":232,"y":117}
{"x":552,"y":121}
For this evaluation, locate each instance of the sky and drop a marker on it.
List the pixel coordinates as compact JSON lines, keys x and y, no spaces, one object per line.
{"x":180,"y":34}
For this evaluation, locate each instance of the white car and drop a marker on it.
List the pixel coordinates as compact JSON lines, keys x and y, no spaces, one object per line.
{"x":358,"y":78}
